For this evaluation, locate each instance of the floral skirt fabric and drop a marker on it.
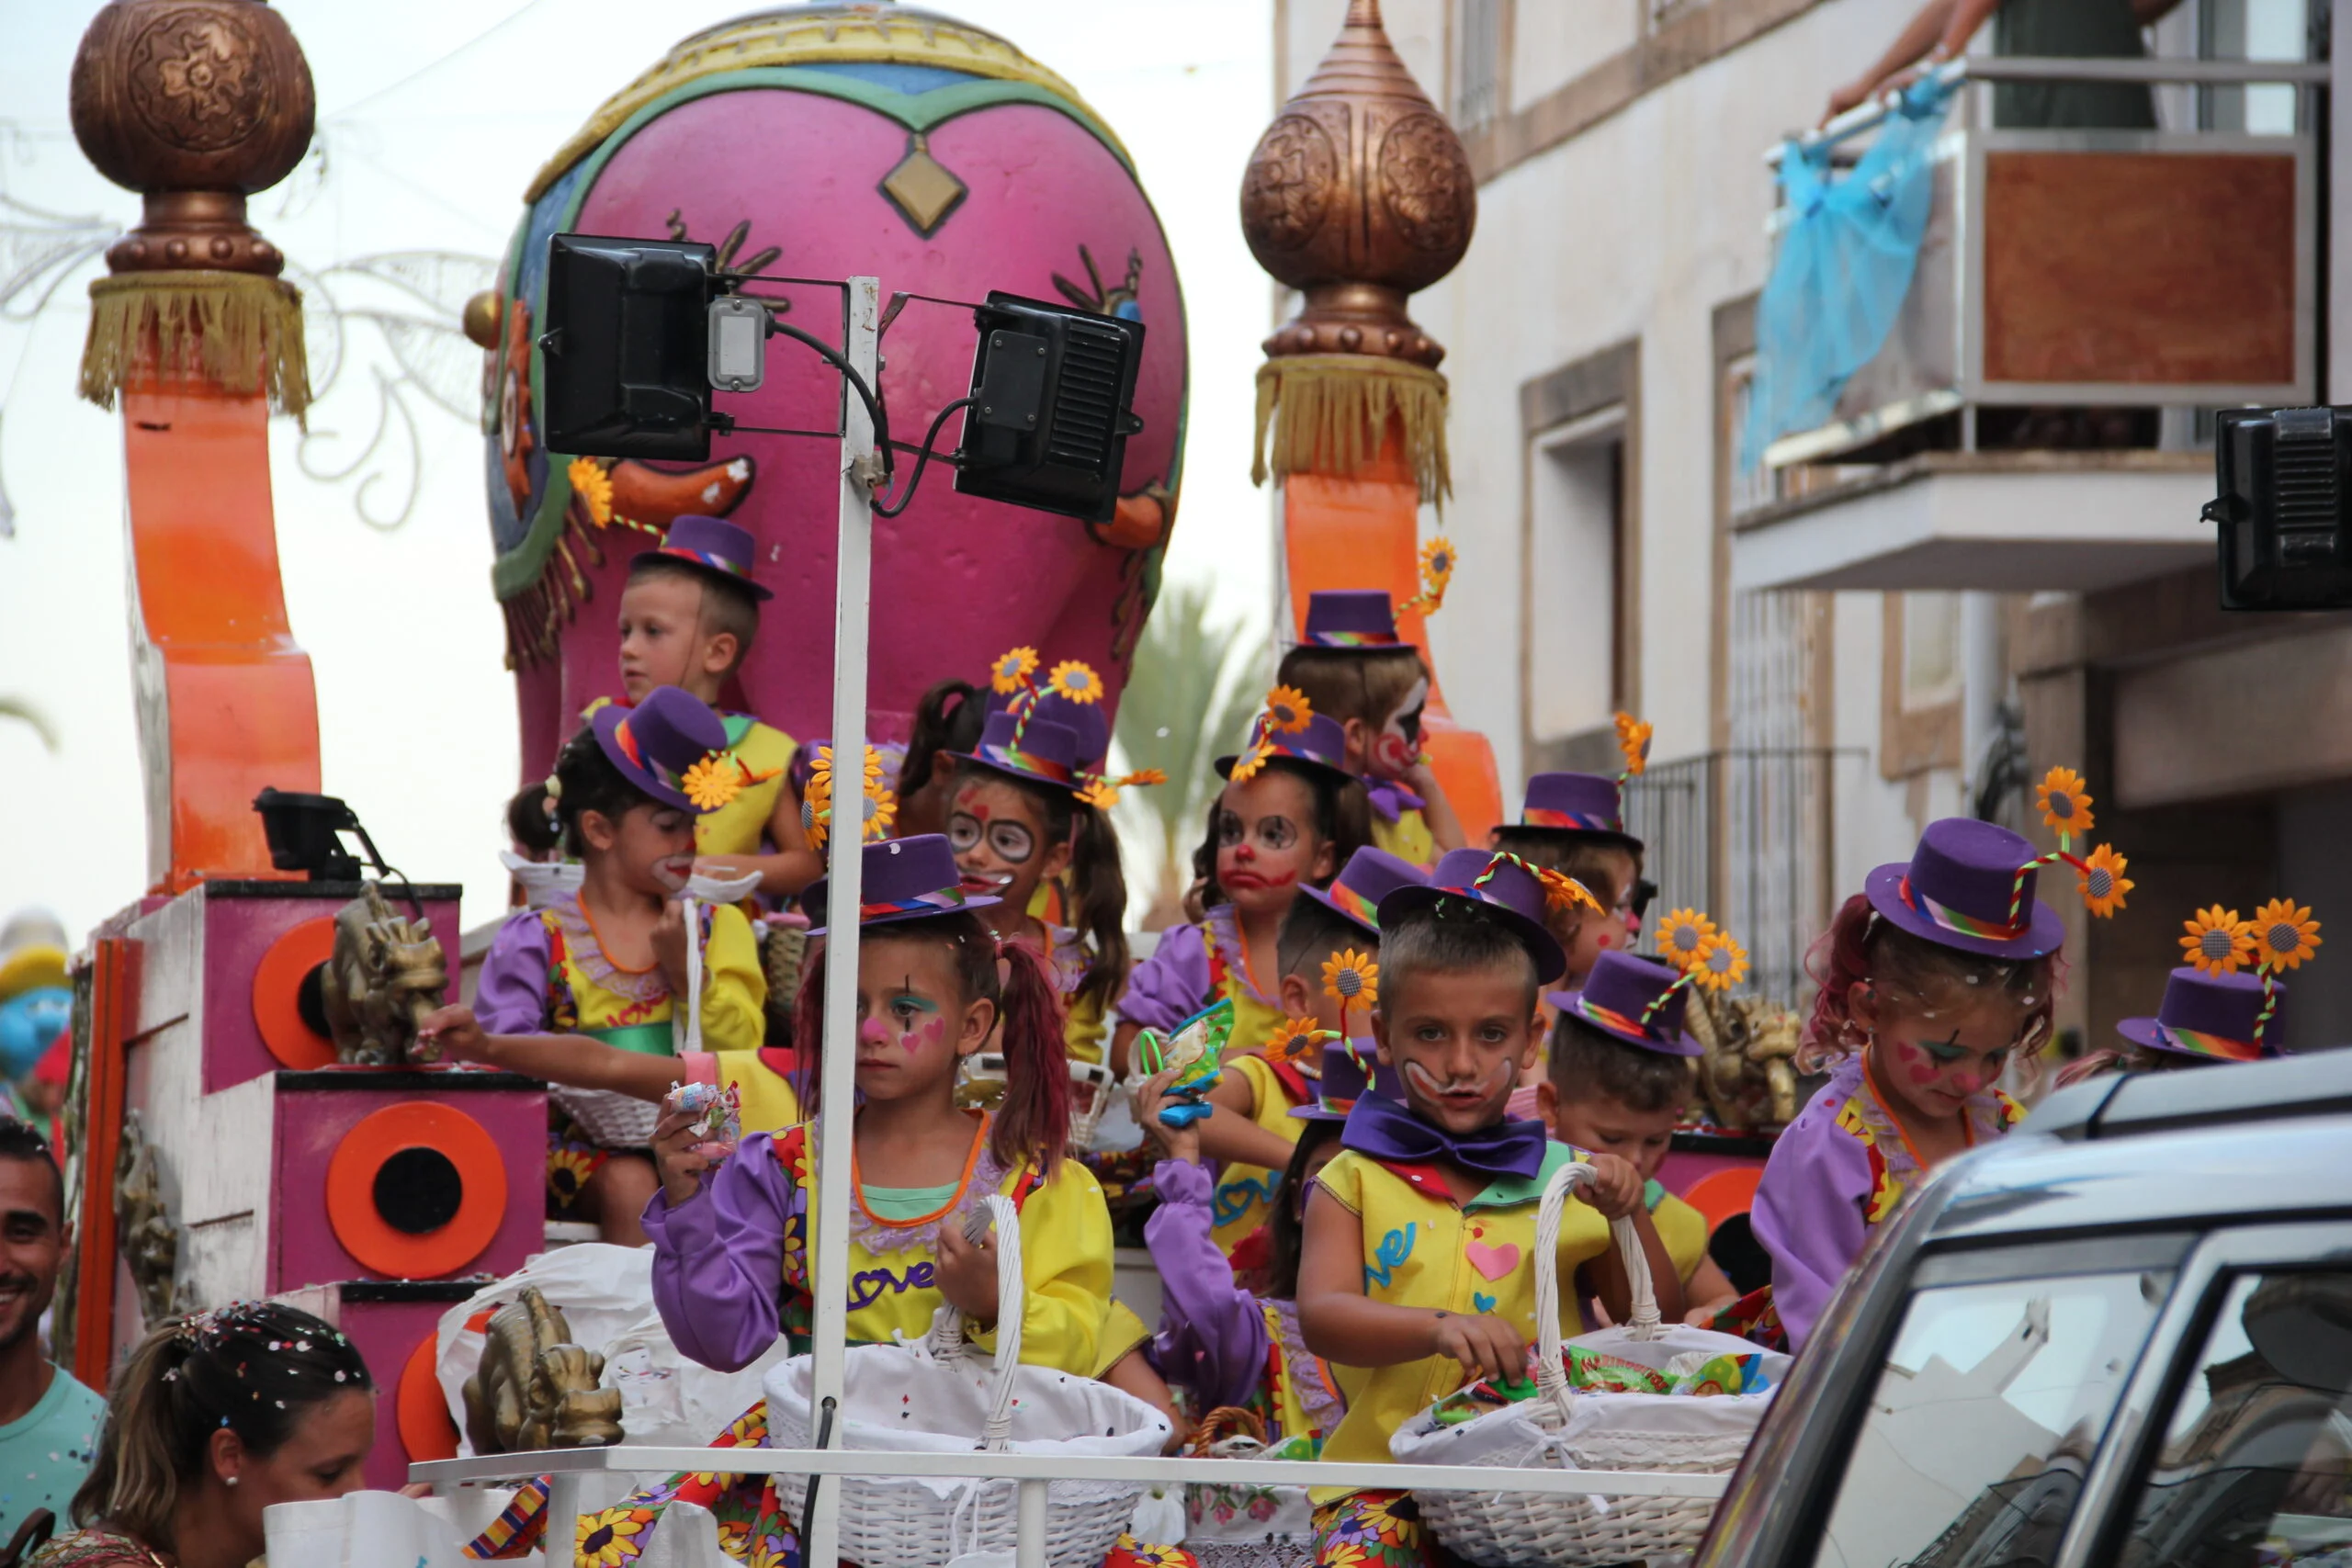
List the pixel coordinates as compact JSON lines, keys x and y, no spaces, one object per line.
{"x":572,"y":1160}
{"x":1373,"y":1529}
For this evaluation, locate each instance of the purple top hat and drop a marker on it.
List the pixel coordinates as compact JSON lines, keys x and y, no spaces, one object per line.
{"x":1369,"y":877}
{"x":1962,"y":888}
{"x":1512,"y":891}
{"x":1343,"y":1084}
{"x":905,"y":879}
{"x":1322,"y":744}
{"x":713,"y":544}
{"x":1351,"y":617}
{"x":1040,"y":750}
{"x":1087,"y":721}
{"x":1619,"y":994}
{"x":658,"y":742}
{"x":2210,"y":1015}
{"x":1578,"y":803}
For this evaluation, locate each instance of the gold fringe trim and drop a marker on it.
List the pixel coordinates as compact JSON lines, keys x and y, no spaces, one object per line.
{"x":1329,"y":412}
{"x":236,"y":331}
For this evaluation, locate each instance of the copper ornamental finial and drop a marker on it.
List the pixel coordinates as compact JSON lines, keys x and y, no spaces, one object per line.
{"x":1358,"y":194}
{"x":195,"y":104}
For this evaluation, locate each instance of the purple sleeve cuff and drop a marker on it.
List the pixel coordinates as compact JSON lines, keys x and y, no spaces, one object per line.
{"x":511,"y":994}
{"x":1172,"y":985}
{"x":1808,"y":1215}
{"x":1212,"y":1337}
{"x":718,"y":1259}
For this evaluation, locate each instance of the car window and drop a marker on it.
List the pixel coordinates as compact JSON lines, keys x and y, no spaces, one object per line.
{"x":2256,"y":1465}
{"x":1985,"y":1419}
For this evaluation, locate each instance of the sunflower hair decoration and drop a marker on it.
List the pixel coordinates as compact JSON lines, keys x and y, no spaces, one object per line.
{"x":1101,"y":792}
{"x":1011,"y":670}
{"x":1438,"y":561}
{"x":1683,"y":935}
{"x":2218,"y":941}
{"x":1296,"y":1043}
{"x":1702,"y":954}
{"x":1561,"y":891}
{"x":2066,"y":808}
{"x":1634,"y":741}
{"x":2284,"y":935}
{"x":715,"y":781}
{"x":878,"y":806}
{"x":1350,"y":977}
{"x":1287,"y":711}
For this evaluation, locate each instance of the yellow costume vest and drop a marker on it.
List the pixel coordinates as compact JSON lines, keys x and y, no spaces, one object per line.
{"x":1420,"y":1250}
{"x":740,"y":827}
{"x":1683,"y":1229}
{"x":1408,"y":838}
{"x":588,"y":993}
{"x":1244,"y":1195}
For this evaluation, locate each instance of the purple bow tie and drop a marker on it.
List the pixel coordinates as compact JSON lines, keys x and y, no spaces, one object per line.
{"x":1380,"y":1127}
{"x":1391,"y":799}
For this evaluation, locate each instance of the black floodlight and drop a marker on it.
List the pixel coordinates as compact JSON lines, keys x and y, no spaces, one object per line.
{"x":2283,"y":476}
{"x":627,"y":337}
{"x":1050,"y":415}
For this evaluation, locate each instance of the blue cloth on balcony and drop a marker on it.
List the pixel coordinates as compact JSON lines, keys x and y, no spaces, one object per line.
{"x":1845,"y":263}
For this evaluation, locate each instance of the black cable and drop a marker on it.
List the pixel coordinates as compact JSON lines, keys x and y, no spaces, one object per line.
{"x":849,"y":372}
{"x":891,"y":508}
{"x":809,"y":1499}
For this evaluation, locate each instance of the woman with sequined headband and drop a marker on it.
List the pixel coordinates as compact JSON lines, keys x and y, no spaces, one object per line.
{"x":1935,"y":980}
{"x":213,"y":1418}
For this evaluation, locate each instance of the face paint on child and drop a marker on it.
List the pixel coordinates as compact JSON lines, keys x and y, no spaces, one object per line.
{"x":997,"y":832}
{"x":1396,"y":749}
{"x":1936,"y":1059}
{"x":1265,"y":844}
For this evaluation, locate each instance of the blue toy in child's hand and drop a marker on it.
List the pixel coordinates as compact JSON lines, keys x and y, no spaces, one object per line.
{"x":1196,"y":1047}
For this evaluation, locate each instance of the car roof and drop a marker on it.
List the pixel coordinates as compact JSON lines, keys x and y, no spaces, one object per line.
{"x":2149,"y":1150}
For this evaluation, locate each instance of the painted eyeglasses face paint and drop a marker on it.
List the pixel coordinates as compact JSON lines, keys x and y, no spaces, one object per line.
{"x":1275,"y":832}
{"x":1011,"y":842}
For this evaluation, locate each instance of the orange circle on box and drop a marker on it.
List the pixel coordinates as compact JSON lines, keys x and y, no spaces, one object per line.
{"x":419,"y":1409}
{"x":351,"y":1189}
{"x":1720,"y":1194}
{"x":278,"y":991}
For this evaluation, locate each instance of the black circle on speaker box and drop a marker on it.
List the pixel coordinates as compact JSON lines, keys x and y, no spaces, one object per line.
{"x":418,"y":1190}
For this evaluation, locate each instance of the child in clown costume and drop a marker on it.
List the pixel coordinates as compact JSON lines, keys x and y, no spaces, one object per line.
{"x":585,"y":990}
{"x":1934,"y":979}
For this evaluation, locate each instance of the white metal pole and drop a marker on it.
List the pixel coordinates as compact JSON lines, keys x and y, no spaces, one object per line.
{"x":1029,"y":1525}
{"x":828,"y":1325}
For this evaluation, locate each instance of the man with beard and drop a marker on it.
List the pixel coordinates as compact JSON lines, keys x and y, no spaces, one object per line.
{"x":48,"y":1422}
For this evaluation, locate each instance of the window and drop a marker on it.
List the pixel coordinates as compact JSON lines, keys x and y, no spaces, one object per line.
{"x":1994,"y":1400}
{"x":2256,"y":1465}
{"x":1931,"y":673}
{"x":1478,"y":55}
{"x":1578,"y":557}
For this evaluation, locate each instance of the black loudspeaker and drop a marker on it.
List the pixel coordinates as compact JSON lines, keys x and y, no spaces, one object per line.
{"x":2283,"y":475}
{"x":1050,"y":417}
{"x":627,"y":341}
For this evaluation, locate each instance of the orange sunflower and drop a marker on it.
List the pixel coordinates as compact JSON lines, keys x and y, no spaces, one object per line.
{"x":1634,"y":741}
{"x":1287,"y":710}
{"x":1012,"y":672}
{"x":2218,"y":941}
{"x":1098,"y":792}
{"x":593,"y":486}
{"x":1681,"y":935}
{"x":2284,"y":934}
{"x":1296,"y":1040}
{"x":713,"y":782}
{"x":1350,"y":977}
{"x":1247,"y":766}
{"x":1437,"y":565}
{"x":1077,"y":681}
{"x":2065,"y":805}
{"x":1721,"y":962}
{"x":2102,"y":882}
{"x":1562,"y":892}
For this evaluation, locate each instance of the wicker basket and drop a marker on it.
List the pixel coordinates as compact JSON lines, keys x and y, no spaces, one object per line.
{"x":1244,"y":1524}
{"x":607,"y":1118}
{"x":1560,"y":1429}
{"x":909,"y":1522}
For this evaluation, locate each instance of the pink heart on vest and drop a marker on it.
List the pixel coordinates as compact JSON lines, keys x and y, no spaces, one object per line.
{"x":1494,"y":1262}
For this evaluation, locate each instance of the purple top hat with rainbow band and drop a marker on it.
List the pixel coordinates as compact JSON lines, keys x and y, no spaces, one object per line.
{"x":1036,"y":750}
{"x":1637,"y":1000}
{"x":1344,"y":1082}
{"x":1969,"y":885}
{"x":1369,"y":877}
{"x":1086,"y":721}
{"x":713,"y":544}
{"x":1361,"y":619}
{"x":1320,"y":743}
{"x":902,"y":879}
{"x":2212,"y":1016}
{"x":1589,"y":804}
{"x":661,"y":741}
{"x":1503,"y":884}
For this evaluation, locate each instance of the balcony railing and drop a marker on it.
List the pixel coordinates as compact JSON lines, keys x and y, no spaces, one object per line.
{"x":1745,"y":834}
{"x":2110,"y":269}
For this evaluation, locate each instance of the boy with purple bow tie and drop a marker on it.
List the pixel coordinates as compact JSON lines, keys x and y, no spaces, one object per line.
{"x":1418,"y":1274}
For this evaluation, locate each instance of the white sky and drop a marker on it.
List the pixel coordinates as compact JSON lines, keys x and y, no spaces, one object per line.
{"x":415,"y":709}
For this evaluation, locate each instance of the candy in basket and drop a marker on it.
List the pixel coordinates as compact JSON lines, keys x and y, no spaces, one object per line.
{"x":1646,"y":1397}
{"x":965,"y":1400}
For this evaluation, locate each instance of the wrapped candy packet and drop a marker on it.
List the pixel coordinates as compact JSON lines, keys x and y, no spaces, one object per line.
{"x":1597,"y":1373}
{"x":1482,"y":1398}
{"x":720,"y":1111}
{"x":1699,"y":1373}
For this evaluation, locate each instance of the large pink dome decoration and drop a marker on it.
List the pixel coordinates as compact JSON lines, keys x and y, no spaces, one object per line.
{"x":821,"y":141}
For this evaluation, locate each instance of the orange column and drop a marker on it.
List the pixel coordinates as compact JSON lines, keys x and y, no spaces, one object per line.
{"x":226,"y":704}
{"x":1364,"y":532}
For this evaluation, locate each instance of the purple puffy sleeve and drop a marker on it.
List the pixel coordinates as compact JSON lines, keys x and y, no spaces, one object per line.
{"x":1809,"y":1206}
{"x":1212,"y":1338}
{"x":718,"y":1259}
{"x":511,"y":994}
{"x":1172,"y":983}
